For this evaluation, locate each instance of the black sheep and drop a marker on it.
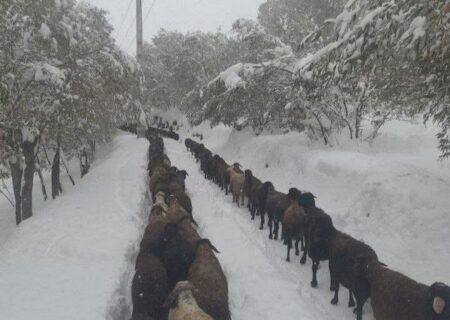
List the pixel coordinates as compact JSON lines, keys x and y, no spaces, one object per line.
{"x":177,"y":254}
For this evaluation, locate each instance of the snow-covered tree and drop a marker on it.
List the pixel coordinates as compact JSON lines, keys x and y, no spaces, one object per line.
{"x":63,"y":85}
{"x":389,"y":59}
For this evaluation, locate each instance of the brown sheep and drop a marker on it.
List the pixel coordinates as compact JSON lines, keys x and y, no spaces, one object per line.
{"x":184,"y":200}
{"x":161,"y":201}
{"x":176,"y":210}
{"x":149,"y":289}
{"x":294,"y":224}
{"x":158,"y":172}
{"x":394,"y":296}
{"x":251,"y":186}
{"x":187,"y":229}
{"x":153,"y":234}
{"x":237,"y":187}
{"x":161,"y":160}
{"x":235,"y":168}
{"x":275,"y":204}
{"x":207,"y":276}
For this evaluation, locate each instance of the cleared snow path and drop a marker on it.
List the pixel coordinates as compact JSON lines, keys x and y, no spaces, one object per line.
{"x":262,"y":284}
{"x":73,"y":258}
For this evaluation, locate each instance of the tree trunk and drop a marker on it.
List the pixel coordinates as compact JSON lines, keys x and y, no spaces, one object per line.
{"x":84,"y":163}
{"x":16,"y":175}
{"x":358,"y":122}
{"x":56,"y":182}
{"x":67,"y":169}
{"x":322,"y":128}
{"x":41,"y":178}
{"x":28,"y":175}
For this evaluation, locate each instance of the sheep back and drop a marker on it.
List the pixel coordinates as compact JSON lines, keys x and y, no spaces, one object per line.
{"x":207,"y":276}
{"x":150,"y":288}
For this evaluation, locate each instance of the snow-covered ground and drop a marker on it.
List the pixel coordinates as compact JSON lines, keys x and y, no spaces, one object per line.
{"x":262,"y":286}
{"x":392,"y":195}
{"x":73,"y":259}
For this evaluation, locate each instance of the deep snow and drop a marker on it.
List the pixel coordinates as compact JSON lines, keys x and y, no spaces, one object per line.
{"x":392,"y":194}
{"x":72,"y":259}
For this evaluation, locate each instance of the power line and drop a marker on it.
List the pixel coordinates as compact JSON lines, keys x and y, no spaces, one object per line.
{"x":145,"y":19}
{"x":128,"y":30}
{"x":124,"y":17}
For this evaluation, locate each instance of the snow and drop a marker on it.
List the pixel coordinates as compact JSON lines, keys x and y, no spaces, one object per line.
{"x":345,"y":35}
{"x":392,"y":194}
{"x":27,"y":135}
{"x":72,"y":259}
{"x":45,"y":31}
{"x":44,"y":72}
{"x":261,"y":285}
{"x":416,"y":30}
{"x":232,"y":76}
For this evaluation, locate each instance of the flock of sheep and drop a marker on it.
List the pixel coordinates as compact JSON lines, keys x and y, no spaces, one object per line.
{"x":178,"y":276}
{"x":352,"y":263}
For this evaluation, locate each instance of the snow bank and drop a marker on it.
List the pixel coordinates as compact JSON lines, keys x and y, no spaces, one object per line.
{"x":71,"y":260}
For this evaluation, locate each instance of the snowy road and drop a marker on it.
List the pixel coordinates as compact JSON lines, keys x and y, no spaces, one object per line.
{"x":262,"y":284}
{"x":72,"y":258}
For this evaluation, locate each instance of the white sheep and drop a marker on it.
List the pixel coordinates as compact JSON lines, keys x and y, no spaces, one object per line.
{"x":183,"y":305}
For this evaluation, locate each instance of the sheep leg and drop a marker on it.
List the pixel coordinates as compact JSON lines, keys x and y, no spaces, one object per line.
{"x":315,"y":267}
{"x":358,"y":310}
{"x":270,"y":227}
{"x":262,"y":220}
{"x":275,"y":229}
{"x":351,"y":301}
{"x":289,"y":246}
{"x":297,"y":251}
{"x":303,"y":242}
{"x":335,"y":299}
{"x":305,"y":253}
{"x":333,"y":283}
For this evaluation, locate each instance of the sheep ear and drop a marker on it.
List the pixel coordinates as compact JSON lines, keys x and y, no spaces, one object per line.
{"x":212,"y":247}
{"x":438,"y":305}
{"x":193,"y":221}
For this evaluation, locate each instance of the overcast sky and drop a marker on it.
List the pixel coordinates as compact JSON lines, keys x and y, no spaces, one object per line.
{"x":181,"y":15}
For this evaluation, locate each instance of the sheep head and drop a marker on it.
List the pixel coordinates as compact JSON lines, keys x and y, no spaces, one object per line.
{"x":183,"y":174}
{"x":157,"y":210}
{"x":440,"y":294}
{"x":180,"y":288}
{"x":307,"y":200}
{"x":207,"y":242}
{"x":294,"y":194}
{"x":172,"y":200}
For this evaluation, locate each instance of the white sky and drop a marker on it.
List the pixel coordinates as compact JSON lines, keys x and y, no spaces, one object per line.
{"x":181,"y":15}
